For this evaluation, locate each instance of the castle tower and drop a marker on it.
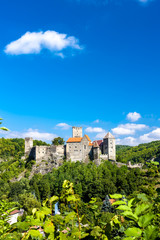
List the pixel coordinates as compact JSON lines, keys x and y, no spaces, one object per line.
{"x":76,"y":132}
{"x":96,"y":150}
{"x":109,"y":146}
{"x":28,"y":145}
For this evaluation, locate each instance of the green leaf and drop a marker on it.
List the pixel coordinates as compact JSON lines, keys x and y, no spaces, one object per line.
{"x":49,"y":227}
{"x":4,"y":129}
{"x":116,"y":196}
{"x":142,"y":196}
{"x":130,"y":202}
{"x":72,"y":198}
{"x":34,"y":234}
{"x":141,"y":208}
{"x":96,"y":232}
{"x":118,"y":203}
{"x":128,"y":238}
{"x":54,"y":199}
{"x":133,"y":232}
{"x":130,"y":215}
{"x":151,"y":233}
{"x":104,"y":237}
{"x":124,"y":208}
{"x":40,"y":215}
{"x":145,"y":220}
{"x":34,"y":210}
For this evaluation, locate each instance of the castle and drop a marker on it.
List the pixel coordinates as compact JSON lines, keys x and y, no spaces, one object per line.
{"x":77,"y":148}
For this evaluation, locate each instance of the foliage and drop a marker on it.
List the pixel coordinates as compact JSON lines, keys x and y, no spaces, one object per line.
{"x":5,"y":209}
{"x":40,"y":143}
{"x":140,"y":153}
{"x":58,"y":141}
{"x":132,"y":219}
{"x":139,"y":214}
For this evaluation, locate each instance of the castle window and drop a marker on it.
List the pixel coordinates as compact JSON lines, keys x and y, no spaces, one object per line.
{"x":84,"y":146}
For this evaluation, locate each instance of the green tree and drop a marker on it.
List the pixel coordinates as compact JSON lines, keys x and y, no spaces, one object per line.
{"x":58,"y":141}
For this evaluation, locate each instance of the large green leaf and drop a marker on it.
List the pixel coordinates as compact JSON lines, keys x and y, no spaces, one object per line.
{"x":130,"y":215}
{"x":54,"y":199}
{"x":116,"y":196}
{"x":145,"y":220}
{"x":124,"y":208}
{"x":141,"y":208}
{"x":142,"y":196}
{"x":130,"y":202}
{"x":72,"y":198}
{"x":96,"y":232}
{"x":34,"y":234}
{"x":128,"y":238}
{"x":150,"y":233}
{"x":133,"y":232}
{"x":49,"y":227}
{"x":119,"y":203}
{"x":4,"y":129}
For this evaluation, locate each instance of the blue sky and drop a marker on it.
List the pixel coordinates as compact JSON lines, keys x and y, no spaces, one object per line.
{"x":86,"y":63}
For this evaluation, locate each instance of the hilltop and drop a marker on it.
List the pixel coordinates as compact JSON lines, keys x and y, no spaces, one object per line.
{"x":140,"y":153}
{"x":11,"y":151}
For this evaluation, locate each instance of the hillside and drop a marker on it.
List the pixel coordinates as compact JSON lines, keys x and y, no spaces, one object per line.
{"x":140,"y":153}
{"x":11,"y":151}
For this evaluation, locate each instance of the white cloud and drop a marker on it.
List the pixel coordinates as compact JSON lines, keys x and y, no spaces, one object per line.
{"x":128,"y":129}
{"x":131,"y":141}
{"x":34,"y":42}
{"x":96,"y":121}
{"x":123,"y":131}
{"x":145,"y":138}
{"x":63,"y":126}
{"x":100,"y":135}
{"x":94,"y":130}
{"x":34,"y":133}
{"x":133,"y":116}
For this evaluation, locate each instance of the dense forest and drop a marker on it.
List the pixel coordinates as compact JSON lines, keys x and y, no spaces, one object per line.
{"x":140,"y":153}
{"x":83,"y":192}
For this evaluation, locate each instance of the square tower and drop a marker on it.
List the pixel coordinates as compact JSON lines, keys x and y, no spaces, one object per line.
{"x":28,"y":145}
{"x":77,"y":132}
{"x":109,"y":146}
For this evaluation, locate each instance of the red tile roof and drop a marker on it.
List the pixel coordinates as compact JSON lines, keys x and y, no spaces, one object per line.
{"x":98,"y":141}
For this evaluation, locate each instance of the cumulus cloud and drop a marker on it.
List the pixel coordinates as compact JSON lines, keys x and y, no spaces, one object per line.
{"x":63,"y":126}
{"x":100,"y":135}
{"x":34,"y":133}
{"x":131,"y":141}
{"x":94,"y":130}
{"x":133,"y":116}
{"x":34,"y":42}
{"x":128,"y":129}
{"x":145,"y":138}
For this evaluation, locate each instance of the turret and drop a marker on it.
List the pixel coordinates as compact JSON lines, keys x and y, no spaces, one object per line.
{"x":109,"y":146}
{"x":28,"y":145}
{"x":76,"y":132}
